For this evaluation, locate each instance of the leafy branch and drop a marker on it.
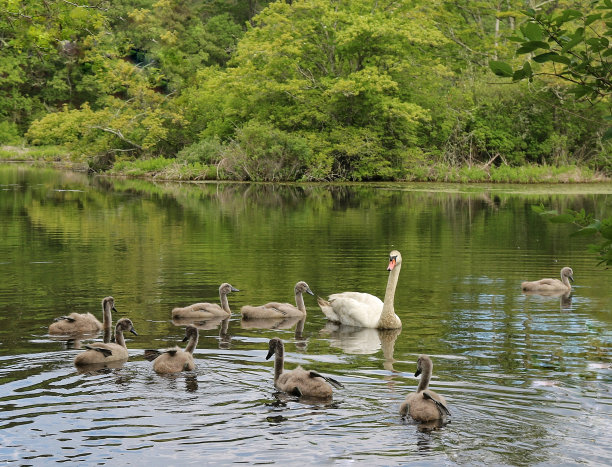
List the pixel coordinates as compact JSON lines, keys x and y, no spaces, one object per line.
{"x":588,"y":226}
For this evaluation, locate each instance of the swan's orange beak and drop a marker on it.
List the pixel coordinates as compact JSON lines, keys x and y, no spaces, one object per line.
{"x":392,"y":262}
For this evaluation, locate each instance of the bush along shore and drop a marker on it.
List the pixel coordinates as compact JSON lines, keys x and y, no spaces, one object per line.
{"x":160,"y":168}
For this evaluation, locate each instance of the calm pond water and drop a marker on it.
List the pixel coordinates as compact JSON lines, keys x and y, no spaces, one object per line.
{"x":527,"y":378}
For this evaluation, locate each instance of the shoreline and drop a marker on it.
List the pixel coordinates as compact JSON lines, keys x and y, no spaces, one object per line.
{"x":171,"y":170}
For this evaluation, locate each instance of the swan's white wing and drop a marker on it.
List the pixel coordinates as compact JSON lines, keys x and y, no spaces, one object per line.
{"x":356,"y":308}
{"x":327,"y":310}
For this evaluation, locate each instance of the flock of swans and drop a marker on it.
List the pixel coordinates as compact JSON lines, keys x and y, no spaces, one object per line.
{"x":349,"y":308}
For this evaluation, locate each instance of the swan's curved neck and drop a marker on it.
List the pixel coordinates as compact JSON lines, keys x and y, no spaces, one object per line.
{"x":119,"y":338}
{"x":279,"y":362}
{"x":425,"y":378}
{"x":566,"y":281}
{"x":107,"y":317}
{"x":191,"y":345}
{"x":224,"y":302}
{"x":388,"y":318}
{"x":106,"y":337}
{"x":299,"y":301}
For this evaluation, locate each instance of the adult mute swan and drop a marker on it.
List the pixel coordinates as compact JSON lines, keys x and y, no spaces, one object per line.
{"x":363,"y":309}
{"x":424,"y":405}
{"x":551,"y":285}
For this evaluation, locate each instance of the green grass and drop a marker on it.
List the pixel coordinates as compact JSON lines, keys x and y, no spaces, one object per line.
{"x":503,"y":174}
{"x":166,"y":169}
{"x":34,"y":153}
{"x":172,"y":169}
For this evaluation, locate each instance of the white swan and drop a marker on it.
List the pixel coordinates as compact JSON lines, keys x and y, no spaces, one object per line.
{"x":365,"y":310}
{"x":551,"y":285}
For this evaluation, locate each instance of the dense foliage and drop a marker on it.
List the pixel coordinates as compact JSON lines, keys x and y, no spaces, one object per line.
{"x":292,"y":90}
{"x":589,"y":226}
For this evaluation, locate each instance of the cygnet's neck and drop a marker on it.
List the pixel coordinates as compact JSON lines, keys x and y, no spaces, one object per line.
{"x":566,"y":282}
{"x":279,"y":361}
{"x":193,"y":342}
{"x":107,"y":316}
{"x":425,"y":376}
{"x":299,"y":301}
{"x":224,"y":302}
{"x":119,"y":338}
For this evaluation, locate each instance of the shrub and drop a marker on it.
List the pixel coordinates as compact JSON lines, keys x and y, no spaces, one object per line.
{"x":207,"y":151}
{"x":260,"y":152}
{"x":9,"y":133}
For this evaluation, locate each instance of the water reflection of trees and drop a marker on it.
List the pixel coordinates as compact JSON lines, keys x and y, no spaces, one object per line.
{"x":193,"y":236}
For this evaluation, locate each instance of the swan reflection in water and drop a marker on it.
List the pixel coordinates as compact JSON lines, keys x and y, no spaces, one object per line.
{"x":225,"y":339}
{"x":280,"y":323}
{"x":363,"y":341}
{"x":75,"y":341}
{"x":100,"y":368}
{"x":565,"y":297}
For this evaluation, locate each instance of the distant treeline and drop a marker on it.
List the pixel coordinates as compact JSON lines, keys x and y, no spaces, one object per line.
{"x":288,"y":90}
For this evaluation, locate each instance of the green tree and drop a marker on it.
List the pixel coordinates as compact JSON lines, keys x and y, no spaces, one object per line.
{"x":48,"y":51}
{"x":568,"y":51}
{"x":571,"y":45}
{"x":330,"y":72}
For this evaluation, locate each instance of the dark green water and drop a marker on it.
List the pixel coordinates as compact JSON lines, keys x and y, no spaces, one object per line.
{"x":528,"y":379}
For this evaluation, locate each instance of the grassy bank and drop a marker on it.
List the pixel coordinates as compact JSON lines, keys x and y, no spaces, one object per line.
{"x":170,"y":169}
{"x":35,"y":153}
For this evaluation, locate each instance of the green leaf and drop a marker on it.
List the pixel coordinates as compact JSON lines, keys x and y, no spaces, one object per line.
{"x":551,"y":57}
{"x":527,"y":68}
{"x":562,"y":219}
{"x":585,"y":232}
{"x":519,"y":75}
{"x":571,"y":43}
{"x":569,"y":15}
{"x":608,"y":134}
{"x":500,"y":68}
{"x":533,"y":32}
{"x":591,"y":18}
{"x":540,"y":209}
{"x":531,"y":12}
{"x":580,"y":91}
{"x":531,"y":46}
{"x":606,"y":232}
